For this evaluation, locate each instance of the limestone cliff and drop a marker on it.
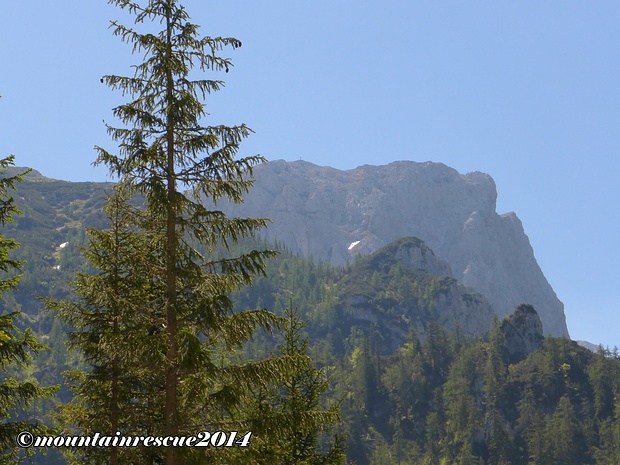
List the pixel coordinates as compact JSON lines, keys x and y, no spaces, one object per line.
{"x":334,"y":215}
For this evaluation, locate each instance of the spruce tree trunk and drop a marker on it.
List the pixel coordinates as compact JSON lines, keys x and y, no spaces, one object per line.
{"x":114,"y":408}
{"x":172,"y":424}
{"x":114,"y":411}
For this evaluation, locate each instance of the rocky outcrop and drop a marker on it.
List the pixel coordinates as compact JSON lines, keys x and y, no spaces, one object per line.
{"x":414,"y":254}
{"x":404,"y":286}
{"x":523,"y":332}
{"x":334,"y":215}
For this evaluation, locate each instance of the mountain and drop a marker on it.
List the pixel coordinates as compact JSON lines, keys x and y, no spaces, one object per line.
{"x":403,"y":286}
{"x":50,"y":228}
{"x":522,"y":332}
{"x":390,"y":327}
{"x":334,"y":215}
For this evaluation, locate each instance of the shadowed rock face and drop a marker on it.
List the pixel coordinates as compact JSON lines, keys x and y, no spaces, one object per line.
{"x":333,"y":215}
{"x":523,"y":332}
{"x":419,"y":289}
{"x":414,"y":254}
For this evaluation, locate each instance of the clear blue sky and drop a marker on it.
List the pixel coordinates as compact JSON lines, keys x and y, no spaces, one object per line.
{"x":525,"y":91}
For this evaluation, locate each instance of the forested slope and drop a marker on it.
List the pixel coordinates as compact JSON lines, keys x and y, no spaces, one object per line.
{"x":414,"y":386}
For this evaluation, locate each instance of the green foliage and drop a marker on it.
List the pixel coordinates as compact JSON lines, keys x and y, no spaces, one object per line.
{"x":158,"y":350}
{"x":401,"y":405}
{"x":116,"y":337}
{"x":292,"y":424}
{"x":16,"y":347}
{"x":155,"y":328}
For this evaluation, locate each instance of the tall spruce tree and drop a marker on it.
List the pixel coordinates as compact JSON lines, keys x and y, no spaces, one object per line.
{"x":16,"y":347}
{"x":172,"y":159}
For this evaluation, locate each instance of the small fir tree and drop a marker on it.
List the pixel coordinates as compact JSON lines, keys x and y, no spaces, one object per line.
{"x":295,"y":403}
{"x":119,"y":341}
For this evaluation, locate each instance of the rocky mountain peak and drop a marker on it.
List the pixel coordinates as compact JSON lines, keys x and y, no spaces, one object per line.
{"x":335,"y":215}
{"x":32,"y":176}
{"x":403,"y":286}
{"x":414,"y":254}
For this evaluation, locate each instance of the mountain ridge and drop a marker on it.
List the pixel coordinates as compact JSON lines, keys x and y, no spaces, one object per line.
{"x":332,"y":214}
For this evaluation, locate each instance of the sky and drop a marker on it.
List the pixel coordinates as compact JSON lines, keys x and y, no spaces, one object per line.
{"x":526,"y":91}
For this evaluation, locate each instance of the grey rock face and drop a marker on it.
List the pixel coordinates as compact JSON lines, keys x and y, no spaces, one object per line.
{"x":588,"y":345}
{"x":333,"y":215}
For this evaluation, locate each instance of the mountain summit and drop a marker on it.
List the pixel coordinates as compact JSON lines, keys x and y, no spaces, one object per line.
{"x":333,"y":215}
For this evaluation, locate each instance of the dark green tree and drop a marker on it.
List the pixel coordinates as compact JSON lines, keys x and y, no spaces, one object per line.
{"x":463,"y":394}
{"x":16,"y":347}
{"x":565,"y":436}
{"x":119,"y":341}
{"x":498,"y":439}
{"x":601,"y":376}
{"x":295,"y":425}
{"x":608,"y":450}
{"x":362,"y":396}
{"x":405,"y":382}
{"x":436,"y":351}
{"x":435,"y":438}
